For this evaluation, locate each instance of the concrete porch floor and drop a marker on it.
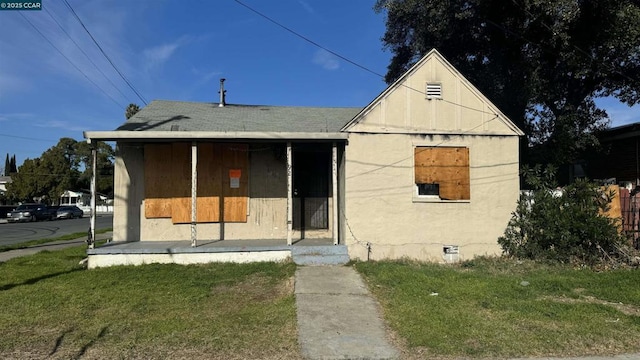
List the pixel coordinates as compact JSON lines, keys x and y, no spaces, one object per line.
{"x":181,"y":252}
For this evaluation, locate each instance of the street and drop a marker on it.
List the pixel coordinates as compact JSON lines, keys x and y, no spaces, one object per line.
{"x":16,"y":233}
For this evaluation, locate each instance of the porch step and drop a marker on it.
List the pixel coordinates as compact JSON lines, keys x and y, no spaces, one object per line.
{"x":320,"y":255}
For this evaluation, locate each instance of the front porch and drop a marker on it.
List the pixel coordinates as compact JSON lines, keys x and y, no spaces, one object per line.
{"x":302,"y":252}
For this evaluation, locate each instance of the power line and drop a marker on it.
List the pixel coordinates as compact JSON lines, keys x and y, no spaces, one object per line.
{"x":69,"y":60}
{"x":308,"y":40}
{"x":85,"y":54}
{"x":104,"y":53}
{"x":348,"y":60}
{"x":25,"y":138}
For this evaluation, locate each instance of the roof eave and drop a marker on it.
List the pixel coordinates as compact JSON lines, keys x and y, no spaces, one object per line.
{"x":209,"y":135}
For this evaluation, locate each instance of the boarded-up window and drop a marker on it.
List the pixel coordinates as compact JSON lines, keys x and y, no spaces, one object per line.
{"x":234,"y":182}
{"x":222,"y":171}
{"x":444,"y":170}
{"x":181,"y":183}
{"x":157,"y":181}
{"x":209,"y":182}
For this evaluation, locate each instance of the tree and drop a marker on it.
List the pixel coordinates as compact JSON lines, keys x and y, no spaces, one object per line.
{"x":543,"y":62}
{"x":132,"y":109}
{"x":65,"y":166}
{"x":104,"y":167}
{"x":12,"y":165}
{"x":7,"y":166}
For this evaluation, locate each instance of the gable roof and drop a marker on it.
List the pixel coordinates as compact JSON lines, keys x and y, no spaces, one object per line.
{"x":180,"y":119}
{"x":432,"y":55}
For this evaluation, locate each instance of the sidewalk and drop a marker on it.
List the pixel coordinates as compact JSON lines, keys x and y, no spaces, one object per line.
{"x":337,"y":317}
{"x":52,"y":246}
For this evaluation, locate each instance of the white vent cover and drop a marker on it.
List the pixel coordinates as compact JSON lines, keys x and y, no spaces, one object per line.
{"x":434,"y":90}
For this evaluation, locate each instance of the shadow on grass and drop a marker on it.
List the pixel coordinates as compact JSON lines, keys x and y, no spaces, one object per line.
{"x":37,"y":279}
{"x":59,"y":341}
{"x":91,"y":342}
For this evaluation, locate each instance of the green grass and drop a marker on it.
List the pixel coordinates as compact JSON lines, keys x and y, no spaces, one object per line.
{"x":482,"y":309}
{"x":54,"y":308}
{"x":27,"y":244}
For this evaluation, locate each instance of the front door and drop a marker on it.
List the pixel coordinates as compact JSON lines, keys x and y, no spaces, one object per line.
{"x":311,"y":168}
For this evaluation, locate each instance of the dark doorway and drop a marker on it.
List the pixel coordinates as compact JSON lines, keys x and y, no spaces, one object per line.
{"x":311,"y":168}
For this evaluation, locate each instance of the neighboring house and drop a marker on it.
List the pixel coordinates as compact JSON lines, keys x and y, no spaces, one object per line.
{"x":78,"y":198}
{"x":4,"y":180}
{"x":428,"y":170}
{"x":619,"y":158}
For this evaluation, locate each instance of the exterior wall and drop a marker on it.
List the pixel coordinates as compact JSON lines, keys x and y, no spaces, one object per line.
{"x":267,"y":208}
{"x":128,"y":185}
{"x":382,"y":210}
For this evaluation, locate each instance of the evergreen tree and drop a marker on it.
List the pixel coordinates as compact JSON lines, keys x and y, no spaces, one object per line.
{"x":7,"y":166}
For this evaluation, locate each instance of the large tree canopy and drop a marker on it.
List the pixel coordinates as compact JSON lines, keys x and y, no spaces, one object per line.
{"x":543,"y":62}
{"x":65,"y":166}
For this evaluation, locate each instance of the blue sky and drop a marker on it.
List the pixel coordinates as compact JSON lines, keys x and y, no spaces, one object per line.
{"x":178,"y":50}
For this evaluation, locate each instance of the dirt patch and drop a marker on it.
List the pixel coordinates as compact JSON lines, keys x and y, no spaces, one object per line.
{"x":258,"y":287}
{"x":626,"y":309}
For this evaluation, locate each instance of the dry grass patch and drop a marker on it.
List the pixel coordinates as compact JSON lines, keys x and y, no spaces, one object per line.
{"x":496,"y":308}
{"x":53,"y":308}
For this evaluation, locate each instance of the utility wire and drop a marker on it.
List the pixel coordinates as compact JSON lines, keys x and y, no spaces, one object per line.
{"x":308,"y":40}
{"x":69,"y":60}
{"x":346,"y":59}
{"x":104,"y":53}
{"x":85,"y":54}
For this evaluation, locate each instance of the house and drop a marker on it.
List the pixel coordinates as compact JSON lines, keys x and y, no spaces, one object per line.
{"x":78,"y":198}
{"x":4,"y":180}
{"x":619,"y":158}
{"x":428,"y":170}
{"x":619,"y":163}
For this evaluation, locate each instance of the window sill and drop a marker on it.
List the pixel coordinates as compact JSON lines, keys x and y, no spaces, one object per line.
{"x":435,"y":199}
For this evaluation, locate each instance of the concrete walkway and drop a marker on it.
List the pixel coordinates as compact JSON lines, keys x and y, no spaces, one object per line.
{"x":337,"y":317}
{"x":52,"y":246}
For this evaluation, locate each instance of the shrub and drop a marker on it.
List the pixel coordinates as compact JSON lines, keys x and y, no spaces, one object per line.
{"x":567,"y":225}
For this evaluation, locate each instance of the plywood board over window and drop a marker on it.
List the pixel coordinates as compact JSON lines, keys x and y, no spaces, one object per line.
{"x":222,"y":173}
{"x":157,"y":180}
{"x":209,"y":182}
{"x":235,"y":189}
{"x":181,"y":183}
{"x":448,"y":167}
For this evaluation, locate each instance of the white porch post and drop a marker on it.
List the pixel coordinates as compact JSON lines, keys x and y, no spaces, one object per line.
{"x":334,"y":181}
{"x":194,"y":192}
{"x":289,"y":195}
{"x":92,"y":222}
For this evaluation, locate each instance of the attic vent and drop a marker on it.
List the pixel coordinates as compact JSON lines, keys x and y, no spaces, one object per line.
{"x":434,"y":90}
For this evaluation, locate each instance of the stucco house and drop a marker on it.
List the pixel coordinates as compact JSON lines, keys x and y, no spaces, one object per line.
{"x":428,"y":170}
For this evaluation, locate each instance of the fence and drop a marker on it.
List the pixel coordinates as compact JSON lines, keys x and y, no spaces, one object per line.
{"x":630,"y":209}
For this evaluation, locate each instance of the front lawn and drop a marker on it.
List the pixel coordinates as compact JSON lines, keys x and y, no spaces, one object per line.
{"x":53,"y":308}
{"x":496,"y":308}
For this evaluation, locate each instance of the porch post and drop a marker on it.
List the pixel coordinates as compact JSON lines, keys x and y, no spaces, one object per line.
{"x":194,"y":192}
{"x":92,"y":221}
{"x":334,"y":181}
{"x":289,"y":195}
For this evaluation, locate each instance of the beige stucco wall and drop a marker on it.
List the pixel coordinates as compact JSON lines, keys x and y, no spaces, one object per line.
{"x":267,"y":207}
{"x":382,"y":209}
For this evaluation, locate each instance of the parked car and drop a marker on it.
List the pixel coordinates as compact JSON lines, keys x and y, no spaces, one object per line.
{"x":69,"y":212}
{"x":30,"y":212}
